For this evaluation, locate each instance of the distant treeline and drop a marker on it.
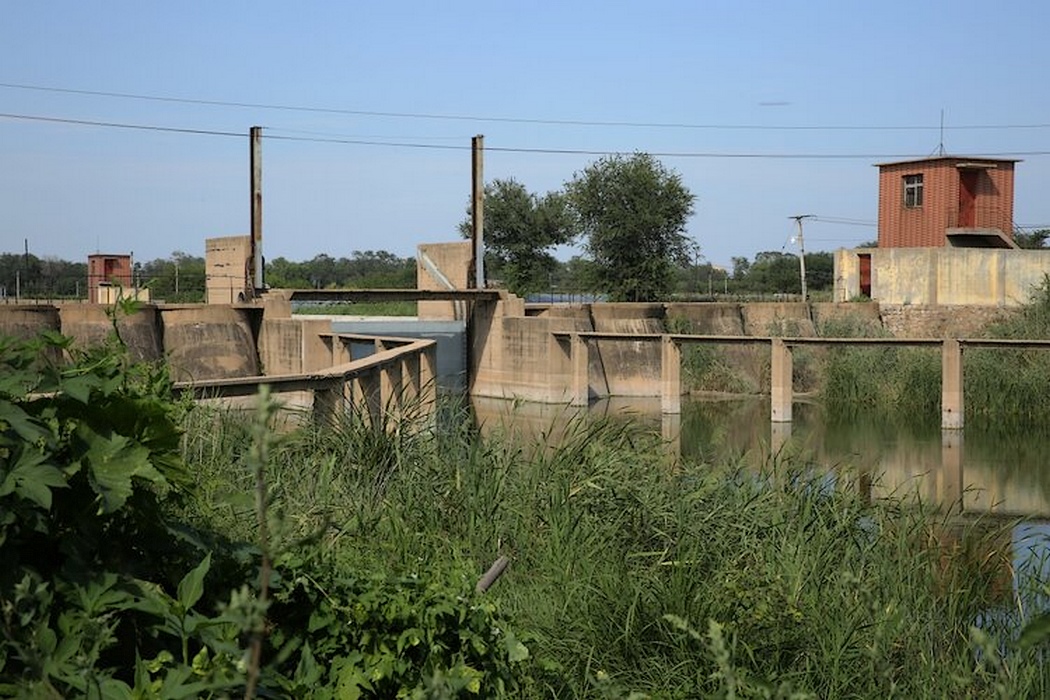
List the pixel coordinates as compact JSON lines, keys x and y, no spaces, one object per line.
{"x":181,"y":277}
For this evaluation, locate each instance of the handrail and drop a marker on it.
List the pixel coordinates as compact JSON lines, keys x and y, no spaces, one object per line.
{"x":381,"y":384}
{"x":232,"y":386}
{"x":575,"y":345}
{"x":803,"y":340}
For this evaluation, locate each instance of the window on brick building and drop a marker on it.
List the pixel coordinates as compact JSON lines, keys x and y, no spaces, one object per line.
{"x":913,"y":190}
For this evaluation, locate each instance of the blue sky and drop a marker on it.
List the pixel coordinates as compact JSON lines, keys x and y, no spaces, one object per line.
{"x":735,"y":78}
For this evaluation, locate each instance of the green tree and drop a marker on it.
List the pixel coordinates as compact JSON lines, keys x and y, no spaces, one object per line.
{"x":1032,"y":239}
{"x":285,"y":274}
{"x":178,"y":279}
{"x":776,"y":272}
{"x":520,"y":230}
{"x":820,"y":270}
{"x":632,"y":212}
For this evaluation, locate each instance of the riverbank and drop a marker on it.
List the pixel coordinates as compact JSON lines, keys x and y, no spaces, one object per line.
{"x":630,"y":573}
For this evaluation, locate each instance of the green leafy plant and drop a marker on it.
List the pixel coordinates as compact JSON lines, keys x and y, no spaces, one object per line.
{"x":89,"y":453}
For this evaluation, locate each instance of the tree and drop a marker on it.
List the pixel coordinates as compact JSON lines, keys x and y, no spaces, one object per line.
{"x":820,"y":270}
{"x":632,"y":212}
{"x":178,"y":279}
{"x":774,"y":272}
{"x":520,"y":230}
{"x":1035,"y":240}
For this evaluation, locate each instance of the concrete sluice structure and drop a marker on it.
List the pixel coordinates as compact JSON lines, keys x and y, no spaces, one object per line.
{"x":225,"y":353}
{"x":92,"y":324}
{"x":209,"y":342}
{"x":28,"y":320}
{"x":547,"y":354}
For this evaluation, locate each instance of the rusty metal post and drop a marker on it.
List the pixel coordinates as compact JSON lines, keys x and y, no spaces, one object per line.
{"x":477,"y":216}
{"x":255,"y":138}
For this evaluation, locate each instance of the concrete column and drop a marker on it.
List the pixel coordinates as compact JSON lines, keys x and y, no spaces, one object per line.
{"x":328,"y":403}
{"x":670,"y":375}
{"x":780,"y":390}
{"x":580,"y":362}
{"x":410,"y":380}
{"x":428,"y":379}
{"x":951,"y":385}
{"x":950,"y":481}
{"x":671,"y":432}
{"x":373,"y":396}
{"x":779,"y":437}
{"x":340,"y":351}
{"x":390,"y":388}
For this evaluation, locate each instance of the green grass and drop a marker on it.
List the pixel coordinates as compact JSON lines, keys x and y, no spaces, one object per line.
{"x":366,"y":308}
{"x":634,"y":574}
{"x":1003,"y":387}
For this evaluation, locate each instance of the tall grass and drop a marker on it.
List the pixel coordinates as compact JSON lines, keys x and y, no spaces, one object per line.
{"x":631,"y":573}
{"x":1008,"y":388}
{"x":361,"y":308}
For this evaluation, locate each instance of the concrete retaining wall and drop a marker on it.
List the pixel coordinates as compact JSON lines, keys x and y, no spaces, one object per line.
{"x":513,"y":354}
{"x":717,"y":318}
{"x":910,"y":321}
{"x":209,"y":342}
{"x":945,"y":276}
{"x":28,"y":321}
{"x":628,"y":367}
{"x":88,"y":324}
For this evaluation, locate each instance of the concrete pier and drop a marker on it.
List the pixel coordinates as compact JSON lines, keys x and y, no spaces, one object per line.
{"x":780,"y":390}
{"x":670,"y":375}
{"x":951,"y":385}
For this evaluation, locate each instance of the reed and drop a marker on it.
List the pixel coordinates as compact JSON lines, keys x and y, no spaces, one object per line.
{"x":631,"y":573}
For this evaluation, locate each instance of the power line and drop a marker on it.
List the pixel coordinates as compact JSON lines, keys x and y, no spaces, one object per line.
{"x":329,"y":134}
{"x":510,"y":120}
{"x":118,"y":125}
{"x":843,"y":221}
{"x":500,"y":149}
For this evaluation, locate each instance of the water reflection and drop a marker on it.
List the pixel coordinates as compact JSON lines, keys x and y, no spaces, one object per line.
{"x":973,"y":470}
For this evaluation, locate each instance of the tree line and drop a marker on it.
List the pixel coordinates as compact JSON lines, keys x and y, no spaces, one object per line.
{"x":180,"y":278}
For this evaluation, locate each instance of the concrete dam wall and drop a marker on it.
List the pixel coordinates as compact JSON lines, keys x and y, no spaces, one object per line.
{"x":514,"y":351}
{"x":518,"y":355}
{"x":200,"y":342}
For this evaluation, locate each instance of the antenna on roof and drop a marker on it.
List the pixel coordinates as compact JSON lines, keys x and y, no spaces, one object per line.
{"x":940,"y":146}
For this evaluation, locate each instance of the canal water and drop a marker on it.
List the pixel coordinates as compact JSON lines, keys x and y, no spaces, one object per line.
{"x":999,"y":474}
{"x":976,"y":470}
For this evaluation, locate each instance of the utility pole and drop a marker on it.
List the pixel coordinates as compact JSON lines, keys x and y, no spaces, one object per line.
{"x":477,"y":210}
{"x":255,"y":285}
{"x":801,"y":250}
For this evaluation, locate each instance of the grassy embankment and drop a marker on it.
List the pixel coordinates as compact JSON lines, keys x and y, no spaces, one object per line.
{"x":632,"y":575}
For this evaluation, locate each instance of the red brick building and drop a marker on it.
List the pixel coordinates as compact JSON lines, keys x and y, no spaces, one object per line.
{"x":946,"y":201}
{"x":106,"y":271}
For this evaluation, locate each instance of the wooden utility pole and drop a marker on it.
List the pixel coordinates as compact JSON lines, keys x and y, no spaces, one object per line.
{"x":255,"y":139}
{"x":477,"y":209}
{"x":801,"y":250}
